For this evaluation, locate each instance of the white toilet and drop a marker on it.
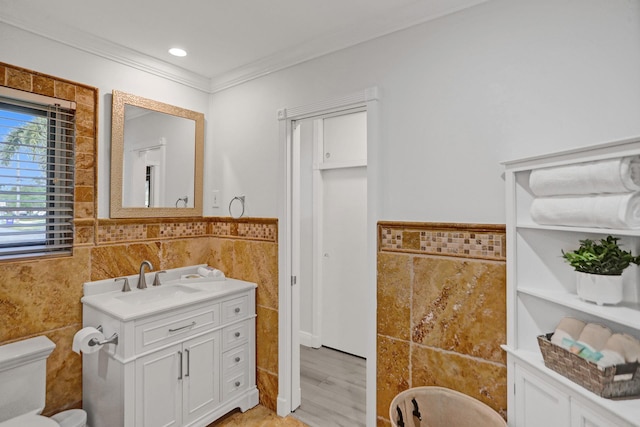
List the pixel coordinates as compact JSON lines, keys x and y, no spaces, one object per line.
{"x":23,"y":377}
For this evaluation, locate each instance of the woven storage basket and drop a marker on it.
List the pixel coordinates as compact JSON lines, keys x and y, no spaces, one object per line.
{"x":612,"y":381}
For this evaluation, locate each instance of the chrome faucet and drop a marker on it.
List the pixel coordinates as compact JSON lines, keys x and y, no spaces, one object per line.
{"x":142,"y":283}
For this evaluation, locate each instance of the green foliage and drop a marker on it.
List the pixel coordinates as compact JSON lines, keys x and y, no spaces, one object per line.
{"x":605,"y":257}
{"x":30,"y":138}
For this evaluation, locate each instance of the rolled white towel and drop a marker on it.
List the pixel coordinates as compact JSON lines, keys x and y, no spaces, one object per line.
{"x":619,"y":175}
{"x":571,"y":326}
{"x":601,"y":211}
{"x":610,"y":358}
{"x":595,"y":336}
{"x":559,"y":335}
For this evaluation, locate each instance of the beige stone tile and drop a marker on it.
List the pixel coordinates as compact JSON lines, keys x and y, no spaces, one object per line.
{"x":392,"y":372}
{"x":43,"y":85}
{"x":222,"y":256}
{"x":85,"y":121}
{"x":258,"y":262}
{"x":122,"y":260}
{"x":411,"y":240}
{"x":41,"y":295}
{"x":267,"y":339}
{"x":485,"y":381}
{"x":65,"y":90}
{"x":18,"y":79}
{"x":394,"y":295}
{"x":83,"y":193}
{"x":83,"y":235}
{"x":84,"y":177}
{"x":460,"y":305}
{"x":185,"y":252}
{"x":64,"y":372}
{"x":267,"y":384}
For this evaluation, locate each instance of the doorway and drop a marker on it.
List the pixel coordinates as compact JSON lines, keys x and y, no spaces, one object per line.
{"x":294,"y":220}
{"x":330,"y":209}
{"x":329,"y":213}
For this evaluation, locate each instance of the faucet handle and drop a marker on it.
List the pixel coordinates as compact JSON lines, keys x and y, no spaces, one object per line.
{"x":156,"y":279}
{"x":125,"y":287}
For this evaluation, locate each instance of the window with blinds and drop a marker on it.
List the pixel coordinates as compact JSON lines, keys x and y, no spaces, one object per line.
{"x":36,"y":177}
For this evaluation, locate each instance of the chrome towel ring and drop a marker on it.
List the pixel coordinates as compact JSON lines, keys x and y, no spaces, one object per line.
{"x":241,"y":200}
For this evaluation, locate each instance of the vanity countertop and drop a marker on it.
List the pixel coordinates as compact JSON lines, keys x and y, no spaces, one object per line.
{"x":180,"y":287}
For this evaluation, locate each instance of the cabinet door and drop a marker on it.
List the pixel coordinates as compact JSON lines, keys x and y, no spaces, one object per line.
{"x":159,"y":388}
{"x":538,"y":404}
{"x":201,"y":385}
{"x":581,"y":416}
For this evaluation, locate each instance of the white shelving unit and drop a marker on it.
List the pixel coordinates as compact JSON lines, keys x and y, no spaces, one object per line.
{"x":541,"y":291}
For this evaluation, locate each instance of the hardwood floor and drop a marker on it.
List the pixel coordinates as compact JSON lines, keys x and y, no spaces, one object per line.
{"x":333,"y":388}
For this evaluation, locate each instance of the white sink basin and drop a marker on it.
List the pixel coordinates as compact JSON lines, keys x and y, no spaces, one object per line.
{"x":154,"y":295}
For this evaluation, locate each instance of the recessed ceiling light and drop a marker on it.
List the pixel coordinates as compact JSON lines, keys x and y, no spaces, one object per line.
{"x":176,"y":51}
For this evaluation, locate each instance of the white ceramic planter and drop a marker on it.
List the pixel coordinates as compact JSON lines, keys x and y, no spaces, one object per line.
{"x":598,"y":288}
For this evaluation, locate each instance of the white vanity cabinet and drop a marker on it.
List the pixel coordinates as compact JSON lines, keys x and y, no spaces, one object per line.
{"x":541,"y":290}
{"x":179,"y":384}
{"x":184,"y":366}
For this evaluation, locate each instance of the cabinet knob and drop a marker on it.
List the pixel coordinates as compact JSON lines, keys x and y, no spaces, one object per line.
{"x":237,"y":310}
{"x":237,"y":359}
{"x":237,"y":383}
{"x":237,"y":334}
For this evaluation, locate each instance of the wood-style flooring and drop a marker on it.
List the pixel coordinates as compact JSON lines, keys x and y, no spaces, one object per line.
{"x":333,"y":388}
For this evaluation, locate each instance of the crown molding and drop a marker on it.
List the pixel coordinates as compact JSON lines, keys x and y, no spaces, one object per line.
{"x":420,"y":13}
{"x":114,"y":52}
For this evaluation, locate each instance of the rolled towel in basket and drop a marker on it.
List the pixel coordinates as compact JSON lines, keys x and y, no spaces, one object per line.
{"x":626,"y":345}
{"x":595,"y":336}
{"x":619,"y":175}
{"x":568,"y":327}
{"x":600,"y":211}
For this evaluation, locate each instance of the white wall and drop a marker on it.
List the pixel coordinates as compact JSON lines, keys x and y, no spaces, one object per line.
{"x":39,"y":54}
{"x":506,"y":79}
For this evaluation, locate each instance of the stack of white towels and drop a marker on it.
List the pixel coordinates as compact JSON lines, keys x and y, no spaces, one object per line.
{"x":600,"y":194}
{"x":596,"y":343}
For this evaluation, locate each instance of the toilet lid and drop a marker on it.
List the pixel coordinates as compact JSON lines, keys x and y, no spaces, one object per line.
{"x":31,"y":421}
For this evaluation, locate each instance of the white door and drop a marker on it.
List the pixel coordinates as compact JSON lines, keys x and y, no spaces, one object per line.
{"x":344,"y":259}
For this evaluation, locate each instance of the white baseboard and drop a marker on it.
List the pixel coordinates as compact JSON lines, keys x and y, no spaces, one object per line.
{"x":309,"y":340}
{"x":283,"y":407}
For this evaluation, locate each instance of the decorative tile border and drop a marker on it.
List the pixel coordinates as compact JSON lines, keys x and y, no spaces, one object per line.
{"x":480,"y":241}
{"x":111,"y":231}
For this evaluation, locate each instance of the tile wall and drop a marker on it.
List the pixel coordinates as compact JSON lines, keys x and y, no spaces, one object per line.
{"x":441,"y":311}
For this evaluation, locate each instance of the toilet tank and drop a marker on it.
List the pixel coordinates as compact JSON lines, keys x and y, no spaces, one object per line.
{"x":23,"y":376}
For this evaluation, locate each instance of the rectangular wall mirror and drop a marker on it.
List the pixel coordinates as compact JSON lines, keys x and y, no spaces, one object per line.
{"x":156,"y":159}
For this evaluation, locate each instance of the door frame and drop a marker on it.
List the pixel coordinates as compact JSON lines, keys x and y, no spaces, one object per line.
{"x":288,"y":315}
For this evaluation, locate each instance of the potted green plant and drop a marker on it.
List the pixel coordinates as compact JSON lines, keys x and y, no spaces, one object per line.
{"x":599,"y":267}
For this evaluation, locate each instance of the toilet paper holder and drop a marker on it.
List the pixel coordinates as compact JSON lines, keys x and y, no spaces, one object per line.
{"x":113,"y":339}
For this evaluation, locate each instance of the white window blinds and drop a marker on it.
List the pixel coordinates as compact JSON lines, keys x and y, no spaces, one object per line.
{"x":36,"y":178}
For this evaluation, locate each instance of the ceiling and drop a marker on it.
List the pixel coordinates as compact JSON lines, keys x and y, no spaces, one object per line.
{"x":228,"y":41}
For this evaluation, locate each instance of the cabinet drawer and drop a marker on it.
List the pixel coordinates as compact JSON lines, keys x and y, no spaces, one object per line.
{"x":235,"y":335}
{"x":233,"y":384}
{"x":235,"y":309}
{"x":235,"y":359}
{"x":170,"y":329}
